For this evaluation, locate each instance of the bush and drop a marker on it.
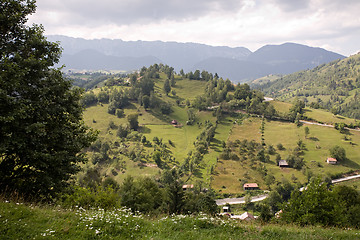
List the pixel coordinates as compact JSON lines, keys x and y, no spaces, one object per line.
{"x":105,"y":198}
{"x":119,"y":113}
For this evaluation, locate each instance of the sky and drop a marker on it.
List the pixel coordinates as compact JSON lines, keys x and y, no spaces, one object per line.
{"x":330,"y":24}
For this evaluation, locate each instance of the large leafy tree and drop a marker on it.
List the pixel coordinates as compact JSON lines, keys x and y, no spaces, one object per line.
{"x":41,"y":127}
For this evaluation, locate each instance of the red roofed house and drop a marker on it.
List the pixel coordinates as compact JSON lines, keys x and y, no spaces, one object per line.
{"x":331,"y":160}
{"x":251,"y":186}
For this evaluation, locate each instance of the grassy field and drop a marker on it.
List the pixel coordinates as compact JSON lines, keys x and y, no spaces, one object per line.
{"x":229,"y":173}
{"x":282,"y":107}
{"x":326,"y":117}
{"x":19,"y":221}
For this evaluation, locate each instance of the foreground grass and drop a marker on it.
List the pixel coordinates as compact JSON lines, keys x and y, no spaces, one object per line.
{"x":19,"y":221}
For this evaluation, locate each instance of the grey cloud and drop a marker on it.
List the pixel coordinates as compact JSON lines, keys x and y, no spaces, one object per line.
{"x":123,"y":12}
{"x":292,"y":5}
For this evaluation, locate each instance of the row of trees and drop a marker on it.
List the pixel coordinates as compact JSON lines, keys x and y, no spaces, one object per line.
{"x":144,"y":194}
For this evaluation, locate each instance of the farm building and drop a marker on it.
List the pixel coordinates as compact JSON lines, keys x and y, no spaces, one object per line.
{"x":251,"y":186}
{"x":283,"y":163}
{"x":247,"y":216}
{"x":174,"y":122}
{"x":331,"y":160}
{"x":226,"y":209}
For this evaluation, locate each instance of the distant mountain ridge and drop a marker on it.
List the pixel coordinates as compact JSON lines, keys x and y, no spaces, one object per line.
{"x":238,"y":64}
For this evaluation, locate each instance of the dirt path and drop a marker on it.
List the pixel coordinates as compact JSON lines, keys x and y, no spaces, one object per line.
{"x":326,"y":125}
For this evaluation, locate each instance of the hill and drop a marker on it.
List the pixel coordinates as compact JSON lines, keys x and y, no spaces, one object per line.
{"x":334,"y":86}
{"x":216,"y":161}
{"x":238,"y":64}
{"x":291,"y":57}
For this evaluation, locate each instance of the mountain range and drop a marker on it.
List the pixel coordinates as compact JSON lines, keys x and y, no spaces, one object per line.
{"x":238,"y":64}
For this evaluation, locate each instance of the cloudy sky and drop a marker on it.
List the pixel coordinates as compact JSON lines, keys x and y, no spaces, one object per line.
{"x":330,"y":24}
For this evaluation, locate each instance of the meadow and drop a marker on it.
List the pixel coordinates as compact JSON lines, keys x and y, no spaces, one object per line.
{"x":22,"y":221}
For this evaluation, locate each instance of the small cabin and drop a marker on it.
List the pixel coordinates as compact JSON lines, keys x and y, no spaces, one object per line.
{"x":331,"y":160}
{"x":283,"y":164}
{"x":226,"y":209}
{"x":251,"y":186}
{"x":174,"y":122}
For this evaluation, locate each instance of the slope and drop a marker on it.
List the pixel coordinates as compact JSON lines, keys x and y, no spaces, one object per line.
{"x":334,"y":86}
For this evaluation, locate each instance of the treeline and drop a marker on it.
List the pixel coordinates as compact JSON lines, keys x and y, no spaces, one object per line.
{"x":221,"y":96}
{"x":89,"y":81}
{"x":166,"y":194}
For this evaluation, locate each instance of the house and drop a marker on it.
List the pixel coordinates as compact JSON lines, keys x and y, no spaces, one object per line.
{"x":251,"y":186}
{"x":186,"y":187}
{"x":174,"y":122}
{"x":247,"y":216}
{"x":278,"y":214}
{"x":226,"y":209}
{"x":331,"y":160}
{"x":283,"y":163}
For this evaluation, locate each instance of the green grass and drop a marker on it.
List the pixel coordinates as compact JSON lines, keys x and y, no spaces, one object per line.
{"x":326,"y":117}
{"x":320,"y":140}
{"x":19,"y":221}
{"x":249,"y":129}
{"x":282,"y":107}
{"x":355,"y":183}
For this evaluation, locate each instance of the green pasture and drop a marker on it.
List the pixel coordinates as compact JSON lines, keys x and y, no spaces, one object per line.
{"x":282,"y":107}
{"x":326,"y":117}
{"x":317,"y":143}
{"x":249,"y":129}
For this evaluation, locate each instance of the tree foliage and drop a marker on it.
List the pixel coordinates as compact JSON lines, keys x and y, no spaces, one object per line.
{"x":338,"y":153}
{"x":41,"y":127}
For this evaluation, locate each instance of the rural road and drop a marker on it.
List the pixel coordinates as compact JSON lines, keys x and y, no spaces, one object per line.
{"x":326,"y":125}
{"x":345,"y":179}
{"x":221,"y":202}
{"x":315,"y":123}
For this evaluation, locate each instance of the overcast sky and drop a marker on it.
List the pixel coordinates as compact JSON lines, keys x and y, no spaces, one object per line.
{"x":330,"y":24}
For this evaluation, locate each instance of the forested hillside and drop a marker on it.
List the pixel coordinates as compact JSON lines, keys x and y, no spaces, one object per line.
{"x":334,"y":86}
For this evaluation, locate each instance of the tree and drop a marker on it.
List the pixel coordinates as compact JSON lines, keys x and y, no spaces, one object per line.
{"x":172,"y":81}
{"x":315,"y":205}
{"x":146,"y":101}
{"x":307,"y":131}
{"x":103,"y":97}
{"x":89,"y":99}
{"x":119,"y":113}
{"x":41,"y":128}
{"x":133,"y":121}
{"x":338,"y":153}
{"x":167,"y":87}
